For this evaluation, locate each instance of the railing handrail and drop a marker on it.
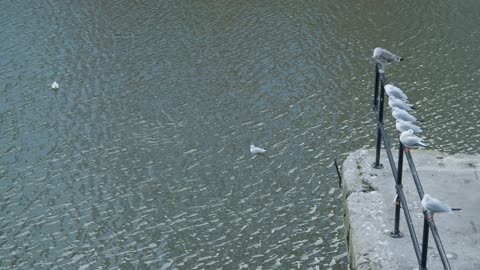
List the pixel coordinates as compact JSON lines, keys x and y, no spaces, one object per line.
{"x":378,"y":105}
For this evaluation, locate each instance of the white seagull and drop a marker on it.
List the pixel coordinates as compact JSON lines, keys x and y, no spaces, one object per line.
{"x":409,"y":140}
{"x":433,"y":205}
{"x":402,"y":126}
{"x":256,"y":150}
{"x":55,"y":85}
{"x":395,"y":102}
{"x":400,"y":114}
{"x":384,"y":58}
{"x":393,"y":91}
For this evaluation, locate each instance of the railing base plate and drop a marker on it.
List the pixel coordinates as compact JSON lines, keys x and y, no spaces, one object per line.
{"x":377,"y":166}
{"x":396,"y":235}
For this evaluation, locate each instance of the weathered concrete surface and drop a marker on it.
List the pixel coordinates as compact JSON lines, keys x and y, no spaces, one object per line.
{"x":369,"y":210}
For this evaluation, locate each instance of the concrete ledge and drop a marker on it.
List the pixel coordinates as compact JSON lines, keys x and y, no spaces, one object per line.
{"x":369,"y":210}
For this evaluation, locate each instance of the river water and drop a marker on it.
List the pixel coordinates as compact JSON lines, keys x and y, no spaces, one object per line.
{"x":141,"y":159}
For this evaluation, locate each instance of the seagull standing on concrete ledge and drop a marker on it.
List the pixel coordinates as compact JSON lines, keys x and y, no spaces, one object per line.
{"x":409,"y":140}
{"x":433,"y":205}
{"x":384,"y":58}
{"x":256,"y":150}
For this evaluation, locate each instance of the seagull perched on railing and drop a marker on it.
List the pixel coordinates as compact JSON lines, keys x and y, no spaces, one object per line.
{"x":384,"y":58}
{"x":402,"y":126}
{"x":395,"y":102}
{"x":400,"y":114}
{"x":393,"y":91}
{"x":433,"y":205}
{"x":409,"y":140}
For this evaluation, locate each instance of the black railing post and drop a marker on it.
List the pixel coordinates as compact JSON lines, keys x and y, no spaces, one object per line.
{"x":396,"y":229}
{"x":423,"y":262}
{"x":377,"y":80}
{"x":382,"y":95}
{"x":379,"y":111}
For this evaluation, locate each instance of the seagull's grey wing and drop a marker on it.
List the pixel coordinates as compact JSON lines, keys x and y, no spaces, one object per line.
{"x":404,"y":126}
{"x":404,"y":106}
{"x":409,"y":117}
{"x":408,"y":141}
{"x":401,"y":127}
{"x":402,"y":95}
{"x":437,"y":206}
{"x":403,"y":115}
{"x":388,"y":57}
{"x":412,"y":140}
{"x":395,"y":102}
{"x":396,"y":92}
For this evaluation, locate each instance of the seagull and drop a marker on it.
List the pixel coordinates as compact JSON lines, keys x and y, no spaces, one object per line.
{"x":402,"y":126}
{"x":384,"y":58}
{"x":433,"y":205}
{"x":256,"y":150}
{"x":400,"y":114}
{"x":55,"y":86}
{"x":393,"y":91}
{"x":395,"y":102}
{"x":409,"y":140}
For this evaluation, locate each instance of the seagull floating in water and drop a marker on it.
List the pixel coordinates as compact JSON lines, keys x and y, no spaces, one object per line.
{"x":55,"y":85}
{"x":384,"y":58}
{"x":395,"y":102}
{"x":400,"y":114}
{"x":393,"y":91}
{"x":402,"y":126}
{"x":409,"y":140}
{"x":433,"y":205}
{"x":256,"y":150}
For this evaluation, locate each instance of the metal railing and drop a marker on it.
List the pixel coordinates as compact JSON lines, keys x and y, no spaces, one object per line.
{"x":428,"y":224}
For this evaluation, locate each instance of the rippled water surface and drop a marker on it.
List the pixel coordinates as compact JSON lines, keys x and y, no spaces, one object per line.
{"x":141,"y":159}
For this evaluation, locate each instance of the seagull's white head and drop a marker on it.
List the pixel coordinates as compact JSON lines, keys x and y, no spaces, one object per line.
{"x":376,"y":51}
{"x":425,"y":198}
{"x":406,"y":133}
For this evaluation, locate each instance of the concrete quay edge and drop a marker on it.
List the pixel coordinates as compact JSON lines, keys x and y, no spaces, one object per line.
{"x":369,"y":210}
